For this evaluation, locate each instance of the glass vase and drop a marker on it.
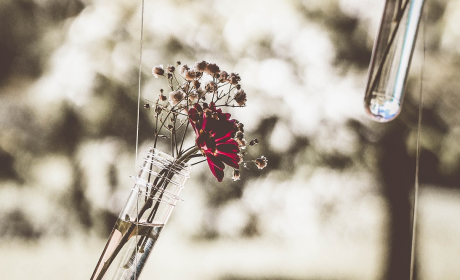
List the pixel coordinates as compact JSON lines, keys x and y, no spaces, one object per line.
{"x":153,"y":197}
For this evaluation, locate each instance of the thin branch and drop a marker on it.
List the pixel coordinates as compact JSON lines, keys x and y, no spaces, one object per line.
{"x":198,"y":162}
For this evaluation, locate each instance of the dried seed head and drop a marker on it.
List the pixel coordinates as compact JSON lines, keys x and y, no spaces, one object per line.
{"x":196,"y":84}
{"x":147,"y":106}
{"x":176,"y":97}
{"x":253,"y":142}
{"x":223,"y":77}
{"x":170,"y":68}
{"x":183,"y":69}
{"x":162,"y":97}
{"x":190,"y":75}
{"x":212,"y":68}
{"x":200,"y":66}
{"x":234,"y":78}
{"x":158,"y":71}
{"x":236,"y":174}
{"x":261,"y":162}
{"x":240,"y":97}
{"x":210,"y":86}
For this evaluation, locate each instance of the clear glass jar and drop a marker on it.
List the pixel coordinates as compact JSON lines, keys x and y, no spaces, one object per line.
{"x":152,"y":199}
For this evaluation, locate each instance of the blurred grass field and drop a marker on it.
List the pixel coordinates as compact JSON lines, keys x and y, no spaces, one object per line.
{"x":178,"y":257}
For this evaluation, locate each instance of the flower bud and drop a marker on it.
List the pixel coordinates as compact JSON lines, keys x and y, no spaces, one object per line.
{"x":158,"y":71}
{"x":261,"y":162}
{"x":236,"y":174}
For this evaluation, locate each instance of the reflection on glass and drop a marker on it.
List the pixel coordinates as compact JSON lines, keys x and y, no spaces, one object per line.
{"x":391,"y":58}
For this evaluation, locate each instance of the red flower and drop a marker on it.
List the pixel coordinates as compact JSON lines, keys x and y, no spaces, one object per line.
{"x":214,"y":136}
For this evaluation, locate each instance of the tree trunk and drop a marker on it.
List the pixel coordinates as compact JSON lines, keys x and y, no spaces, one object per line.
{"x":398,"y":175}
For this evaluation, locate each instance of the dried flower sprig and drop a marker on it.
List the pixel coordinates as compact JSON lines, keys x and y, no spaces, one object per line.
{"x":196,"y":97}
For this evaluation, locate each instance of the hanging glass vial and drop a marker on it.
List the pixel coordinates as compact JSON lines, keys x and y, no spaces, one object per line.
{"x":391,"y":58}
{"x":153,"y":197}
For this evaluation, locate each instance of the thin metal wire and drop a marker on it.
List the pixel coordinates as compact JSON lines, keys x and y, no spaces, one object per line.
{"x":137,"y":125}
{"x":417,"y":160}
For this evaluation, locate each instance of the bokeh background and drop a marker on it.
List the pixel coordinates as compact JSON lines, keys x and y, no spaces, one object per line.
{"x":333,"y":203}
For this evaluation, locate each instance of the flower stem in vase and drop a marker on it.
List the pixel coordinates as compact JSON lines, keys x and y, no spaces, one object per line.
{"x":149,"y":206}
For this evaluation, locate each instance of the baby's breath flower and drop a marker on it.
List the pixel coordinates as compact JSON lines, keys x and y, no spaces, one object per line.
{"x":234,"y":78}
{"x":176,"y":97}
{"x":191,"y":75}
{"x":261,"y":162}
{"x":147,"y":106}
{"x":158,"y":71}
{"x":253,"y":142}
{"x":236,"y":174}
{"x":210,"y":86}
{"x":183,"y":69}
{"x":240,"y":97}
{"x":170,"y":68}
{"x":196,"y":84}
{"x":200,"y":66}
{"x":223,"y":77}
{"x":212,"y":69}
{"x":162,"y":97}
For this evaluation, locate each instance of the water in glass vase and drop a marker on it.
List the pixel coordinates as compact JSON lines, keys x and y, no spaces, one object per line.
{"x":127,"y":250}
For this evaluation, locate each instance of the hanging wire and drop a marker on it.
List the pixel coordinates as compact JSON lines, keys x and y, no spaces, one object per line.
{"x":417,"y":159}
{"x":137,"y":124}
{"x":139,"y":81}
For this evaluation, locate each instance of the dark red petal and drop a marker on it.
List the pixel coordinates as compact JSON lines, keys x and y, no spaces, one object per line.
{"x":226,"y":116}
{"x":215,"y":161}
{"x":219,"y":174}
{"x":210,"y":143}
{"x":223,"y":138}
{"x":198,"y":107}
{"x":229,"y":158}
{"x":193,"y":114}
{"x":193,"y":117}
{"x":229,"y":142}
{"x":204,"y":123}
{"x":228,"y":147}
{"x":200,"y":140}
